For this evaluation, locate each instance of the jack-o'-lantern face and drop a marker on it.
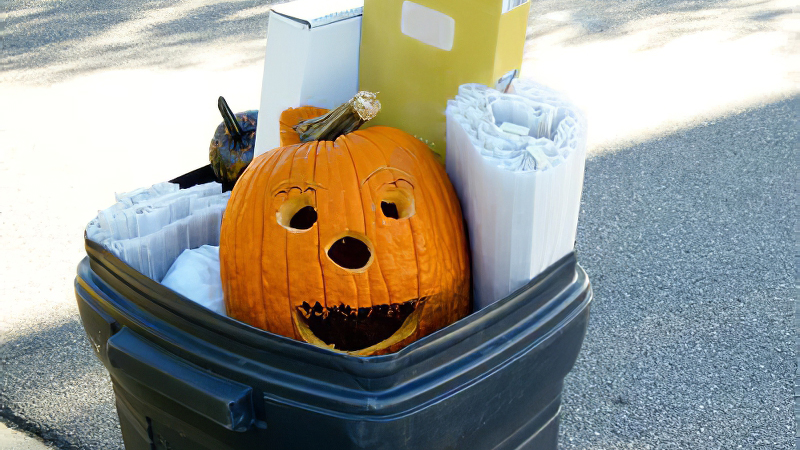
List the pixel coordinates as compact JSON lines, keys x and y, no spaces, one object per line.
{"x":356,"y":245}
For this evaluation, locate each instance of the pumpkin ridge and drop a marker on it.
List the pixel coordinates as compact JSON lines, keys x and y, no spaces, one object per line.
{"x":370,"y":157}
{"x":299,"y":257}
{"x":266,"y":201}
{"x":319,"y":236}
{"x":290,"y":158}
{"x":355,"y":171}
{"x":449,"y":213}
{"x":389,"y":133}
{"x":367,"y":136}
{"x":453,"y":210}
{"x":288,"y":278}
{"x":416,"y":256}
{"x":364,"y":134}
{"x":247,"y":180}
{"x":341,"y":215}
{"x":378,"y":278}
{"x":270,"y":311}
{"x":442,"y":210}
{"x":434,"y":246}
{"x":454,"y":216}
{"x":360,"y":289}
{"x":260,"y":298}
{"x":372,"y":149}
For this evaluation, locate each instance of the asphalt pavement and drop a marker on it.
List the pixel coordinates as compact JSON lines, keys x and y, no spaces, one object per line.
{"x":688,"y":243}
{"x":686,"y":227}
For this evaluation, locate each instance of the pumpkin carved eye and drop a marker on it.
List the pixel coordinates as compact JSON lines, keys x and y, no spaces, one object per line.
{"x":304,"y":219}
{"x":390,"y":210}
{"x":297,"y":214}
{"x":398,"y":204}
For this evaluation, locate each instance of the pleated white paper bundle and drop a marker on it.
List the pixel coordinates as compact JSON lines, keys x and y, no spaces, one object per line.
{"x":149,"y":228}
{"x":516,"y":161}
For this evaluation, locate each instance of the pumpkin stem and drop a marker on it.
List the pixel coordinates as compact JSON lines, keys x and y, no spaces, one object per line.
{"x":230,"y":120}
{"x":346,"y":118}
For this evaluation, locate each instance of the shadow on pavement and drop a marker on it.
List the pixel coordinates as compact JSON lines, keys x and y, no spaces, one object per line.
{"x":72,"y":38}
{"x":587,"y":20}
{"x":49,"y":40}
{"x":54,"y":387}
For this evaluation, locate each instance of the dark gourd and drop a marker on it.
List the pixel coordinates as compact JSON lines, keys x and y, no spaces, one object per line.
{"x":232,"y":146}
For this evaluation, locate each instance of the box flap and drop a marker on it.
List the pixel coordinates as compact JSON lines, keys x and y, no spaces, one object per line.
{"x":316,"y":13}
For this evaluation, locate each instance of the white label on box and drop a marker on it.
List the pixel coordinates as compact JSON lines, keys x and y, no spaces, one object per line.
{"x":428,"y":25}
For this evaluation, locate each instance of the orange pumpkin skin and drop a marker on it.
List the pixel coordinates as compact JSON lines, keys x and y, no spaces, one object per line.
{"x":270,"y":269}
{"x":292,"y":117}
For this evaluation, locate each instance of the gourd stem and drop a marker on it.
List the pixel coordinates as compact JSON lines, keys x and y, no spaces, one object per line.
{"x":230,"y":120}
{"x":346,"y":118}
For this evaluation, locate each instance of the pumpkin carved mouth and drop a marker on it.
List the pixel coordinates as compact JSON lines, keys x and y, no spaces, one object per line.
{"x":358,"y":330}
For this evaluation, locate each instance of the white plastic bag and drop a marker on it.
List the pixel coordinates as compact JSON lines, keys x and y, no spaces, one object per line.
{"x":195,"y":275}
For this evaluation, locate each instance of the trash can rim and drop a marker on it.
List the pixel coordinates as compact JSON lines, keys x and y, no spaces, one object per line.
{"x":178,"y":305}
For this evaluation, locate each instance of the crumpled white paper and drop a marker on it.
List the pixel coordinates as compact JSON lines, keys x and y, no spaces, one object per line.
{"x":520,"y":193}
{"x":195,"y":275}
{"x":149,"y":228}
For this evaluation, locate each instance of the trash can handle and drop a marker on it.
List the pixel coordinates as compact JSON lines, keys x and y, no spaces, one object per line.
{"x":146,"y":368}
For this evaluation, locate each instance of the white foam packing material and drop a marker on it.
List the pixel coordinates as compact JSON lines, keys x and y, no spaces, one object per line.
{"x":149,"y":228}
{"x":520,"y":195}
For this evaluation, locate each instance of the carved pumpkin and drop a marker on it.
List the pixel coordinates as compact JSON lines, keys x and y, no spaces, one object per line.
{"x":356,"y":245}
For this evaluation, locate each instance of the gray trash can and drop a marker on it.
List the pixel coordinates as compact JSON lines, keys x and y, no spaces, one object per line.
{"x":188,"y":378}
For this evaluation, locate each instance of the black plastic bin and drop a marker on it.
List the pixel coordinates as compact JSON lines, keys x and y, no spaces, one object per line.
{"x":187,"y":378}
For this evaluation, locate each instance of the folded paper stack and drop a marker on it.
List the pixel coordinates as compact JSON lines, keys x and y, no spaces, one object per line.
{"x":516,"y":161}
{"x":149,"y":228}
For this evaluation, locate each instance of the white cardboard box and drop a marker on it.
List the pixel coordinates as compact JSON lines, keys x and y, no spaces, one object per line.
{"x":311,"y":59}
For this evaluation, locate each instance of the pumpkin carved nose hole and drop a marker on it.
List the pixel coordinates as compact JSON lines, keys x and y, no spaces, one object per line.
{"x":304,"y":219}
{"x":350,"y":253}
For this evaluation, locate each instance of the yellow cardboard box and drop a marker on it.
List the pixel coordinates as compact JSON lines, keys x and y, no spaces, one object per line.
{"x":416,"y":54}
